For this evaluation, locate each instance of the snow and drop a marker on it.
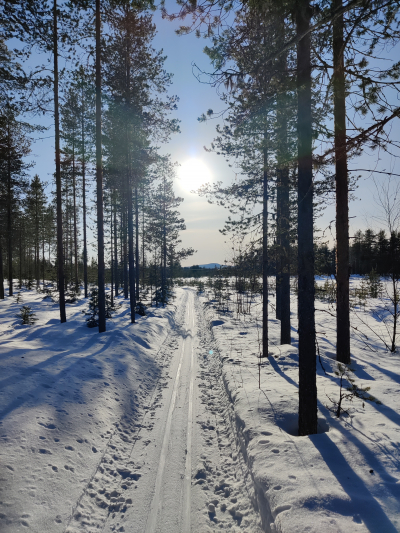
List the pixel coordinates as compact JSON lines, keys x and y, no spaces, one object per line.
{"x":347,"y":477}
{"x":161,"y":425}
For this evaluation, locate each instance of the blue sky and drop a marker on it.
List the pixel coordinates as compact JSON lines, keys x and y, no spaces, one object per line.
{"x":202,"y":219}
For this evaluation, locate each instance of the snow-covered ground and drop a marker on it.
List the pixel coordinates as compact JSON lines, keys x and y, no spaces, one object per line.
{"x":124,"y":431}
{"x":346,"y":478}
{"x":161,"y":426}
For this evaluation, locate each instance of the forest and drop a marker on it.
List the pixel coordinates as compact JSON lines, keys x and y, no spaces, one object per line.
{"x":309,"y":95}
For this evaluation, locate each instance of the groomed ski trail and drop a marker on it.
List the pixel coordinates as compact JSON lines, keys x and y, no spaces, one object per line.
{"x":176,"y":467}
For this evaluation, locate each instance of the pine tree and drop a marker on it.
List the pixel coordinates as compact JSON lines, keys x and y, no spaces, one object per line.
{"x":35,"y":209}
{"x":14,"y":147}
{"x":307,"y":347}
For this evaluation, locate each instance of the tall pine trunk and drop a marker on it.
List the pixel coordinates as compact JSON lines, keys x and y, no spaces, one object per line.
{"x":124,"y":252}
{"x":60,"y":249}
{"x":265,"y":253}
{"x":85,"y":272}
{"x":137,"y":271}
{"x":99,"y":180}
{"x":278,"y":261}
{"x":283,"y":180}
{"x":342,"y":192}
{"x":9,"y":215}
{"x":115,"y":246}
{"x":76,"y":275}
{"x":307,"y":351}
{"x":1,"y":272}
{"x":132,"y":293}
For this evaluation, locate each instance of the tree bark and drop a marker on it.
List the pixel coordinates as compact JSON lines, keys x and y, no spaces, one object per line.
{"x":99,"y":180}
{"x":1,"y":272}
{"x":9,"y":216}
{"x":265,"y":254}
{"x":342,"y":192}
{"x":115,"y":247}
{"x":137,"y":271}
{"x":60,"y":250}
{"x":111,"y":250}
{"x":132,"y":293}
{"x":85,"y":270}
{"x":125,"y":253}
{"x":307,"y":351}
{"x":278,"y":262}
{"x":284,"y":208}
{"x":75,"y":217}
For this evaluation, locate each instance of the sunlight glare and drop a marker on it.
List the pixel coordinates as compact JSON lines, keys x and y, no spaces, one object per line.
{"x":194,"y":173}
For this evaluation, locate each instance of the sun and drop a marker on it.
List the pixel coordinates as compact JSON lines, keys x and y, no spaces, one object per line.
{"x":194,"y":173}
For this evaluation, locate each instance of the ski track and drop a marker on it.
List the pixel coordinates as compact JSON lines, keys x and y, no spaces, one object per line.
{"x":174,"y":465}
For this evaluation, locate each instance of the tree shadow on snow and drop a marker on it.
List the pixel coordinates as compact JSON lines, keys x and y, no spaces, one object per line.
{"x":363,"y":504}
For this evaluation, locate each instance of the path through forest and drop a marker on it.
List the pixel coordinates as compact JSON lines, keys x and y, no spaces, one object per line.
{"x":179,"y":469}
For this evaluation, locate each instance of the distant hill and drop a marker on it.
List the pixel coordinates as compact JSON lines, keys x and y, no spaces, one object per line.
{"x":210,"y":265}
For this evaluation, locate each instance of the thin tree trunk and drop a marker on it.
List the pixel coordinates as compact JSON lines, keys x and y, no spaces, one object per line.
{"x":278,"y":248}
{"x":99,"y":180}
{"x":124,"y":251}
{"x":1,"y":273}
{"x":285,"y":258}
{"x":43,"y":258}
{"x":75,"y":218}
{"x":60,"y":251}
{"x":307,"y":351}
{"x":111,"y":251}
{"x":342,"y":192}
{"x":164,"y":251}
{"x":9,"y":215}
{"x":137,"y":271}
{"x":265,"y":254}
{"x":37,"y":244}
{"x":284,"y":211}
{"x":132,"y":292}
{"x":85,"y":270}
{"x":143,"y":238}
{"x":20,"y":258}
{"x":115,"y":247}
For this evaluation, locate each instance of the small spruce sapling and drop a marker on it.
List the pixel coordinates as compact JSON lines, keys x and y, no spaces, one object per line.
{"x":345,"y":373}
{"x":141,"y":309}
{"x":200,"y":286}
{"x":93,"y":313}
{"x":374,"y":284}
{"x":27,"y":316}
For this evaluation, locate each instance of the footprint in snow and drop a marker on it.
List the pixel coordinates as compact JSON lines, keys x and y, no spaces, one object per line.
{"x":47,"y":426}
